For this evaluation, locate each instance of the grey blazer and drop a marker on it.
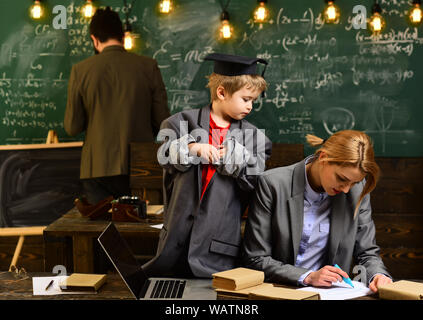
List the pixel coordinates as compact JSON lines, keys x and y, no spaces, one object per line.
{"x":208,"y":229}
{"x":275,"y":223}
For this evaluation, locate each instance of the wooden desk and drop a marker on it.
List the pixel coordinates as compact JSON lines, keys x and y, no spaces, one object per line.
{"x":12,"y":288}
{"x":72,"y":241}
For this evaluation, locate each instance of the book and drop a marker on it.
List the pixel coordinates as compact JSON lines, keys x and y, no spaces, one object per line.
{"x":401,"y":290}
{"x":242,"y":293}
{"x":278,"y":293}
{"x":237,"y":279}
{"x":83,"y":282}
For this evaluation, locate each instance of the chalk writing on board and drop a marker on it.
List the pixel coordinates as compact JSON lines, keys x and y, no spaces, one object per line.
{"x":187,"y":99}
{"x":336,"y":119}
{"x":308,"y":18}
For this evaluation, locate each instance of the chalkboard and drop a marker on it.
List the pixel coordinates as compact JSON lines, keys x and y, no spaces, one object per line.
{"x":322,"y":78}
{"x":37,"y":186}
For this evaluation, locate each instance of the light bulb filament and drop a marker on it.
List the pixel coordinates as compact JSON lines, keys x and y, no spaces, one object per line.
{"x":416,"y":15}
{"x":36,"y":10}
{"x":225,"y":30}
{"x":261,"y":13}
{"x":128,"y":41}
{"x":165,"y":6}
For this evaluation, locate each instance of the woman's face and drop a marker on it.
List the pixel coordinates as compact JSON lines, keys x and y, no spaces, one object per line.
{"x":335,"y":179}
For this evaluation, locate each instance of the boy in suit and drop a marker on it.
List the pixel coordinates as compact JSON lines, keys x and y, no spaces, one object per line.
{"x":211,"y":159}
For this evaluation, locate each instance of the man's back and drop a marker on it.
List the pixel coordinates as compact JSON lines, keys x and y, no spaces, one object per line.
{"x":116,"y":97}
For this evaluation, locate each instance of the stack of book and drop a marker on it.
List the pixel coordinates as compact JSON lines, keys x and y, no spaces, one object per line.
{"x":244,"y":283}
{"x":402,"y":290}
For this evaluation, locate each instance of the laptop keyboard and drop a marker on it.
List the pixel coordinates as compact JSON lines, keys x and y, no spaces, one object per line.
{"x":168,"y":289}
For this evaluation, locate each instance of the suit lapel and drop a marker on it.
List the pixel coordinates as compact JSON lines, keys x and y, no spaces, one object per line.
{"x":296,"y":206}
{"x":337,"y":217}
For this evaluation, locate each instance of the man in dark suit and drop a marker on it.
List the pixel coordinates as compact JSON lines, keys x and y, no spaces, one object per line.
{"x":116,"y":97}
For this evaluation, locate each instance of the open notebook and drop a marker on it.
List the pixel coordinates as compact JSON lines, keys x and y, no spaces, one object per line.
{"x":341,"y":291}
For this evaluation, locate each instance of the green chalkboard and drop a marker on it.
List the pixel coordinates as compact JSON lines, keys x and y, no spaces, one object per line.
{"x":322,"y":78}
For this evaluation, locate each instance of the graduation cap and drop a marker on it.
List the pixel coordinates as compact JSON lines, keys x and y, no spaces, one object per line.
{"x":231,"y":65}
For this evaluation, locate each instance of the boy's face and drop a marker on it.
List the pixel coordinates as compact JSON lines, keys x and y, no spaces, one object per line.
{"x":240,"y":104}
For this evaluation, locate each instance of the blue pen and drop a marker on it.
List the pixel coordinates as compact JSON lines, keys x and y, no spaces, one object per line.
{"x":347,"y":280}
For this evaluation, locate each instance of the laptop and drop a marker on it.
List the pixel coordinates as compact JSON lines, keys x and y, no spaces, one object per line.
{"x":139,"y":284}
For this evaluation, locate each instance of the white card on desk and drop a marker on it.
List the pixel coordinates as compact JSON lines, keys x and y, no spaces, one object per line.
{"x":341,"y":291}
{"x":39,"y":285}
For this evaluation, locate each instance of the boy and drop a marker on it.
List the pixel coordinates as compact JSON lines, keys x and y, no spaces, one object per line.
{"x":211,"y":159}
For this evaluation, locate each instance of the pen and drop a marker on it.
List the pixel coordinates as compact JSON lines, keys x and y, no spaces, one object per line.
{"x":347,"y":280}
{"x":49,"y":285}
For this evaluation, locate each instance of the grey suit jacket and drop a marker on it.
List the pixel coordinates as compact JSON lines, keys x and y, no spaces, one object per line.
{"x":209,"y":229}
{"x":275,"y":223}
{"x":116,"y":97}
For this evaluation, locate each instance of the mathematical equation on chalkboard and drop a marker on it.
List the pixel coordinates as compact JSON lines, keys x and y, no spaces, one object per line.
{"x":320,"y":78}
{"x":308,"y":65}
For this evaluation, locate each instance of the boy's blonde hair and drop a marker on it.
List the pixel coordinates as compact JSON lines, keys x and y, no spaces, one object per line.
{"x":234,"y":83}
{"x":350,"y":148}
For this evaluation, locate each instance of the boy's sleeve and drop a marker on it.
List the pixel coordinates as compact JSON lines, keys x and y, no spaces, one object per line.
{"x":173,"y":154}
{"x":246,"y":163}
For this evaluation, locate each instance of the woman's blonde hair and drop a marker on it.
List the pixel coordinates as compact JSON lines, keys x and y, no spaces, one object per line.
{"x":350,"y":148}
{"x":234,"y":83}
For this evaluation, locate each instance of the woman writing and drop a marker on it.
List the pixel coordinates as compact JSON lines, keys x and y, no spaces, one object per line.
{"x":309,"y":216}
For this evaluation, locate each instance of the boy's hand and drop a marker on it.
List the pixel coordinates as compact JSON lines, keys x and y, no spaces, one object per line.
{"x":379,"y":280}
{"x":222,"y":151}
{"x":325,"y":276}
{"x":205,"y":151}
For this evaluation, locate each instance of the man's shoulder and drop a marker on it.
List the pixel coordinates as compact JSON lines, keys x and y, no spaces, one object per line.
{"x":84,"y":63}
{"x":126,"y":56}
{"x":143,"y":59}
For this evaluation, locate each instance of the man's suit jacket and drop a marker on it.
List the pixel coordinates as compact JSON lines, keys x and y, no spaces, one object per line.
{"x":275,"y":224}
{"x":116,"y":97}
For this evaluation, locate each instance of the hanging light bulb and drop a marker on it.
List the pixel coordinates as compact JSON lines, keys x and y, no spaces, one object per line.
{"x":36,"y":11}
{"x":416,"y":13}
{"x":88,"y":9}
{"x":331,"y":13}
{"x":165,"y":6}
{"x":261,"y":14}
{"x":377,"y":22}
{"x":128,"y":40}
{"x":226,"y":29}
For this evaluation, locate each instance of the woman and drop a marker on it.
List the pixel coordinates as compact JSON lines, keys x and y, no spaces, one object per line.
{"x":309,"y":216}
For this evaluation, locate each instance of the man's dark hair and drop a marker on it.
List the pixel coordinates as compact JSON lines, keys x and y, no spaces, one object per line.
{"x":106,"y":24}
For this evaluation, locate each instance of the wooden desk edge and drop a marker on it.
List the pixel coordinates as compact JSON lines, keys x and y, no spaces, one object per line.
{"x":42,"y":146}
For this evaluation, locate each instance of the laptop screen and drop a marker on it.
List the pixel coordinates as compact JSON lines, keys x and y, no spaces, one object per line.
{"x":120,"y":254}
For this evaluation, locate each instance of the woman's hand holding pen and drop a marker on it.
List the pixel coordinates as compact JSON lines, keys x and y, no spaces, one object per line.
{"x":325,"y":276}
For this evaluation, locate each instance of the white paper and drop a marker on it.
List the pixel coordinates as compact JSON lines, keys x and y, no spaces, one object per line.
{"x":157,"y":226}
{"x":341,"y":291}
{"x":39,"y":285}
